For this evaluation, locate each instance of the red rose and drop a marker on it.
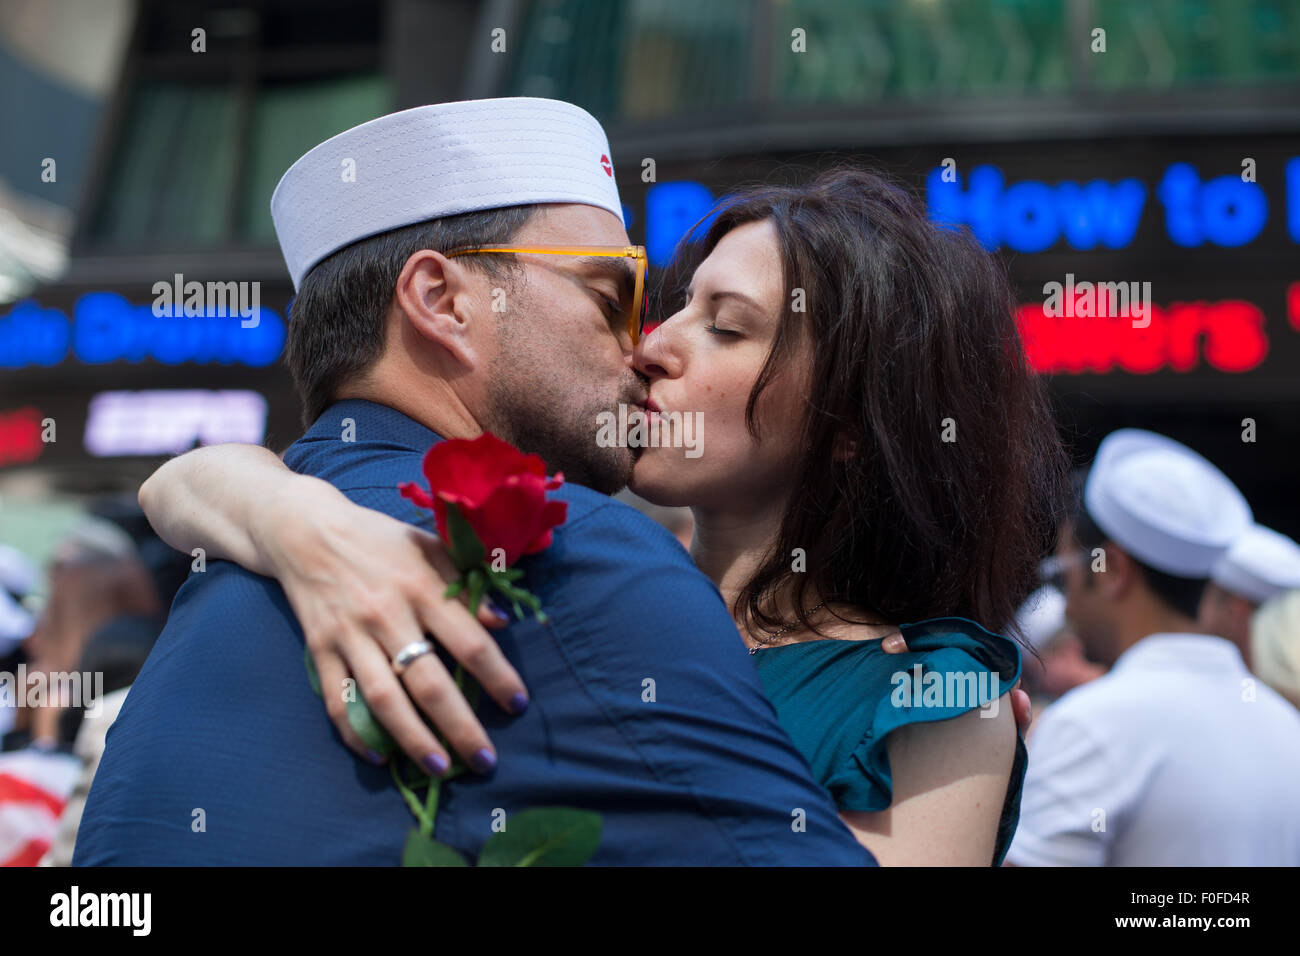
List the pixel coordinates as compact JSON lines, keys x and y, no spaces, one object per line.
{"x":500,"y":491}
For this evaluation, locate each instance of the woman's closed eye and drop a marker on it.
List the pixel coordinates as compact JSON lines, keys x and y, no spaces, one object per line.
{"x":713,"y":328}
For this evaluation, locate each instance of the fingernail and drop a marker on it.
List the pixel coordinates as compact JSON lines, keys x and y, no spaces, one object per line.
{"x":436,"y":764}
{"x":495,"y":608}
{"x":375,"y":758}
{"x":484,"y":760}
{"x":518,"y":703}
{"x":892,"y":643}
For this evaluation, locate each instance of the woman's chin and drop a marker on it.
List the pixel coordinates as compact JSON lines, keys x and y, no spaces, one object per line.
{"x":659,"y":481}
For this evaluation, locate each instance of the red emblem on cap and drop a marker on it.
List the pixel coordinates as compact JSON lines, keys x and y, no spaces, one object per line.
{"x":606,"y":165}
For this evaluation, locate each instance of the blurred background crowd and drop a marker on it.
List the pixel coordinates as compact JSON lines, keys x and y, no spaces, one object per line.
{"x":141,"y":140}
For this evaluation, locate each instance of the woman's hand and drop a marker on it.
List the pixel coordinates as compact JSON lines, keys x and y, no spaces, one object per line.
{"x":1020,"y":704}
{"x":363,"y":586}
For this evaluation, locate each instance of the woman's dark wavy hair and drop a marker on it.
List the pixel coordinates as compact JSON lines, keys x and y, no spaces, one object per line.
{"x":910,"y":324}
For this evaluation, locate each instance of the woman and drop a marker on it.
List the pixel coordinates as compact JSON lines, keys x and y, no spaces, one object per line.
{"x":878,"y":453}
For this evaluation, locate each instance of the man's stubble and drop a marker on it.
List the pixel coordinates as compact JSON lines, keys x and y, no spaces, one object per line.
{"x":539,"y":402}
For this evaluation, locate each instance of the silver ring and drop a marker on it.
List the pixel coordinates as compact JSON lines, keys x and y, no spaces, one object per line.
{"x":408,"y":654}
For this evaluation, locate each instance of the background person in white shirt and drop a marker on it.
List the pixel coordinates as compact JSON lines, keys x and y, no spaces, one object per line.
{"x":1260,"y":565}
{"x":1177,"y":756}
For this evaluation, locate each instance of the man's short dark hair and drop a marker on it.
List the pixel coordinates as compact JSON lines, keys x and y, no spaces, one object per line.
{"x":336,"y":322}
{"x":1179,"y":594}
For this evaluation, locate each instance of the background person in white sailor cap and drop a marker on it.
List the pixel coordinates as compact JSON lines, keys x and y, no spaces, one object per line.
{"x":1177,"y":756}
{"x":1261,"y":564}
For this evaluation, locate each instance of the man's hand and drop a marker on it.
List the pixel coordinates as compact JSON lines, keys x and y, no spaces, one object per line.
{"x":1020,"y":705}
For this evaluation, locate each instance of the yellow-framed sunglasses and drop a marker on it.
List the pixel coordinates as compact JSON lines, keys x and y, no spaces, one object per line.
{"x":636,"y":315}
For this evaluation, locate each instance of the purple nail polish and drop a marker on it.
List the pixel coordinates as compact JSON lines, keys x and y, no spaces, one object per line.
{"x":436,"y":764}
{"x":518,"y":703}
{"x":375,"y":759}
{"x":484,"y":760}
{"x":495,"y":608}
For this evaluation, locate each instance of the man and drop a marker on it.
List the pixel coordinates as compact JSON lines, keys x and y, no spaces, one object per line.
{"x":1260,"y":565}
{"x":1177,"y":756}
{"x":223,"y":754}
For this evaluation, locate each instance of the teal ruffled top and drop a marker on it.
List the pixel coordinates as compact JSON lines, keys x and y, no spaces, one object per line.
{"x":839,"y":700}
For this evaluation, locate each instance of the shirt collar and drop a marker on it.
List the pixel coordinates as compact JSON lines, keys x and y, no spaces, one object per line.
{"x":372,"y":422}
{"x":1184,"y":652}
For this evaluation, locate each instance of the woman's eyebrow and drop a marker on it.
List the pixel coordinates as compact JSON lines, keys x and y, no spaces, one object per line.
{"x":728,"y":294}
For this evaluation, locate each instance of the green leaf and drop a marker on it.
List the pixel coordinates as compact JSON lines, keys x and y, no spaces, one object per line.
{"x":517,"y":595}
{"x":544,"y":836}
{"x":312,"y":675}
{"x":421,"y":850}
{"x":371,"y":732}
{"x":466,"y":549}
{"x":478,"y":583}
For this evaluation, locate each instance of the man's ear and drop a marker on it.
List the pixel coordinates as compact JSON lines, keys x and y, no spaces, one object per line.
{"x":436,"y":299}
{"x":1121,"y":574}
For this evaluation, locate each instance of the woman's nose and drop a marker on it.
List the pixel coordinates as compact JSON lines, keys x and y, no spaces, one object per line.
{"x":654,"y":355}
{"x":645,"y":356}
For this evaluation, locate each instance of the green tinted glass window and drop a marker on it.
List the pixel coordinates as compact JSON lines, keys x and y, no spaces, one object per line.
{"x":1158,"y":43}
{"x":856,"y":52}
{"x":177,"y":167}
{"x":629,"y":60}
{"x":172,"y":174}
{"x":288,"y":120}
{"x":636,"y":59}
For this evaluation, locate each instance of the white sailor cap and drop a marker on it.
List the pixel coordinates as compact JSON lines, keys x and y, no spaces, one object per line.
{"x":1260,"y":564}
{"x":435,"y":161}
{"x":1163,"y":503}
{"x":1042,"y":616}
